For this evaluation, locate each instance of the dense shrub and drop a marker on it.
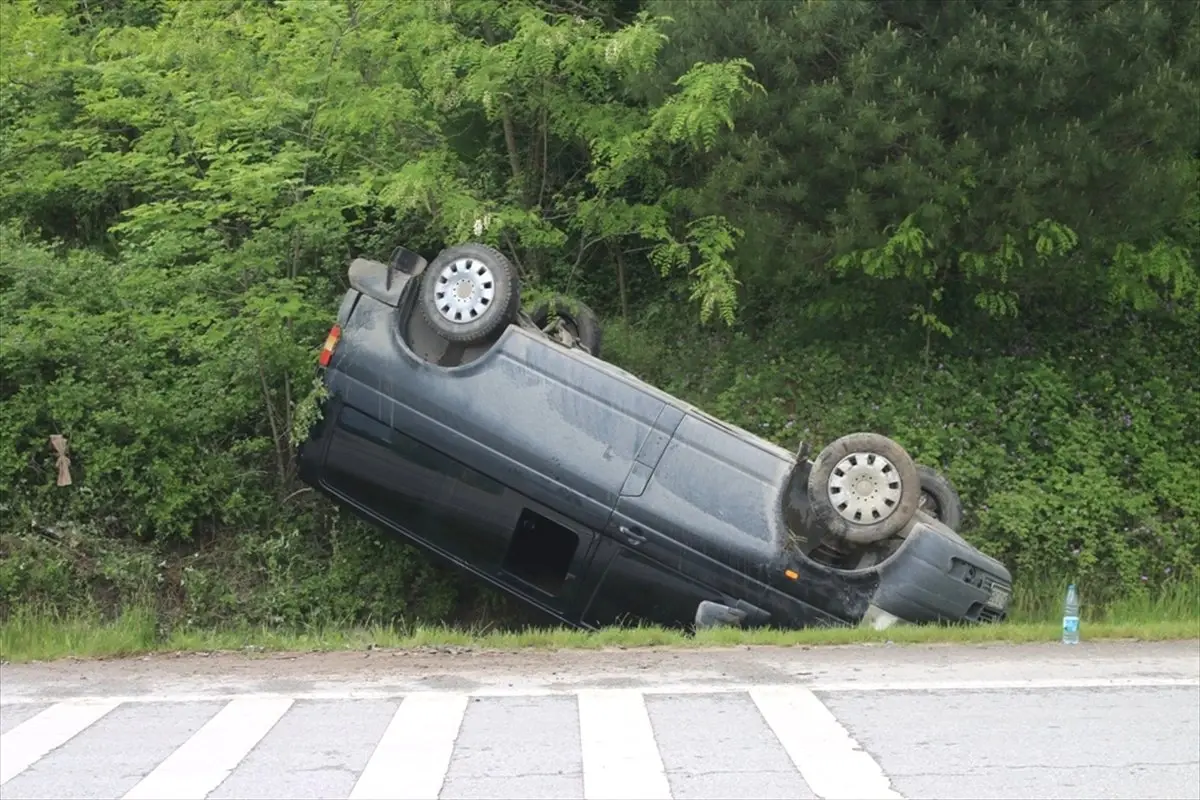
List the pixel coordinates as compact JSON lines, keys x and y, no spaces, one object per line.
{"x":971,"y":226}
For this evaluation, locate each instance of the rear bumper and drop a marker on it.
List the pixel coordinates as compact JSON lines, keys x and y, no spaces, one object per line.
{"x":938,"y":577}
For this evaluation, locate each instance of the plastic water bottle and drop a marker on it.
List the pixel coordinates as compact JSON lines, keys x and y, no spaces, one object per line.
{"x":1070,"y":634}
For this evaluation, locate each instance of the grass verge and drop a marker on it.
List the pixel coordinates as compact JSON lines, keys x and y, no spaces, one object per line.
{"x":1171,"y":613}
{"x":30,"y":637}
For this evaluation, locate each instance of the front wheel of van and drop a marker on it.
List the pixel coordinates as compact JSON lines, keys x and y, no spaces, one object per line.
{"x":864,"y":488}
{"x":469,"y":292}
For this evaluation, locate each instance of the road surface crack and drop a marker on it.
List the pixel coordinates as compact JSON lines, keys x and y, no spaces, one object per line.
{"x":707,"y":772}
{"x":1052,"y":767}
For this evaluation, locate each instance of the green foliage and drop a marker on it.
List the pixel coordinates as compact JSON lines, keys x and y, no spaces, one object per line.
{"x":181,"y":185}
{"x":1008,"y":154}
{"x":308,"y":412}
{"x":327,"y":570}
{"x":991,"y":209}
{"x":908,"y":255}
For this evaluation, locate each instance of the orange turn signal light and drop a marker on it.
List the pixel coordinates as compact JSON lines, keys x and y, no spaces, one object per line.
{"x":791,"y":574}
{"x":335,"y":333}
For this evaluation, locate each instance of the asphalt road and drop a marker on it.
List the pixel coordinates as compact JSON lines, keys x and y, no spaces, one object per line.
{"x":1093,"y":721}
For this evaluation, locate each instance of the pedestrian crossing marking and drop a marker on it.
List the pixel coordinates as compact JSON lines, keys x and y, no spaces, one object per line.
{"x":620,"y":755}
{"x":29,"y":742}
{"x":413,"y":755}
{"x":831,"y":761}
{"x":619,"y":750}
{"x":208,"y":757}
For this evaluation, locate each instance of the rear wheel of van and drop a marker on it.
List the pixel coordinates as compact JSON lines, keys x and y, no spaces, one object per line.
{"x":571,"y":317}
{"x":939,"y":498}
{"x":864,"y":488}
{"x":469,"y":292}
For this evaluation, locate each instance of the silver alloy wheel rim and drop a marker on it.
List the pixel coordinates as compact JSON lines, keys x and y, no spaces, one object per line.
{"x":465,"y":289}
{"x":864,"y":488}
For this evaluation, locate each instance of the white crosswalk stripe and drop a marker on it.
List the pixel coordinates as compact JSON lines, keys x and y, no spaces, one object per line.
{"x":32,"y":740}
{"x":411,"y":760}
{"x":208,"y":757}
{"x":412,"y":747}
{"x":832,"y":763}
{"x":620,"y":757}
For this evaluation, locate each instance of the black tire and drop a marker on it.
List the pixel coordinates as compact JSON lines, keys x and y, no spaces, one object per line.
{"x":495,"y":293}
{"x":581,"y":320}
{"x":895,"y":488}
{"x":939,"y":498}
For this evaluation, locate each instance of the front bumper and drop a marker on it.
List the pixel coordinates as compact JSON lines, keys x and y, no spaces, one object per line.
{"x":938,"y":577}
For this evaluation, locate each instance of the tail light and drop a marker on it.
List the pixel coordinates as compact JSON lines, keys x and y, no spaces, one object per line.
{"x":331,"y":341}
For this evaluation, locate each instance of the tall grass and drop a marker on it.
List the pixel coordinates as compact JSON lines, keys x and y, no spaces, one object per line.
{"x":1039,"y":598}
{"x":1173,"y":612}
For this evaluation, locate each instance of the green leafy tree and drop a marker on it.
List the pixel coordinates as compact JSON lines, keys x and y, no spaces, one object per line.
{"x":183,"y":183}
{"x":929,"y":159}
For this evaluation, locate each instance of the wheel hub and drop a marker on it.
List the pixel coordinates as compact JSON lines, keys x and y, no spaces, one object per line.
{"x":864,"y":488}
{"x":465,"y":289}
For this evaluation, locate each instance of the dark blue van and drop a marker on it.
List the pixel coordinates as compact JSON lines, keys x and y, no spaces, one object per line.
{"x":499,"y":441}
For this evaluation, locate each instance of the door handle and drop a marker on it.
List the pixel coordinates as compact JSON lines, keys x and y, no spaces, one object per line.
{"x":632,"y":535}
